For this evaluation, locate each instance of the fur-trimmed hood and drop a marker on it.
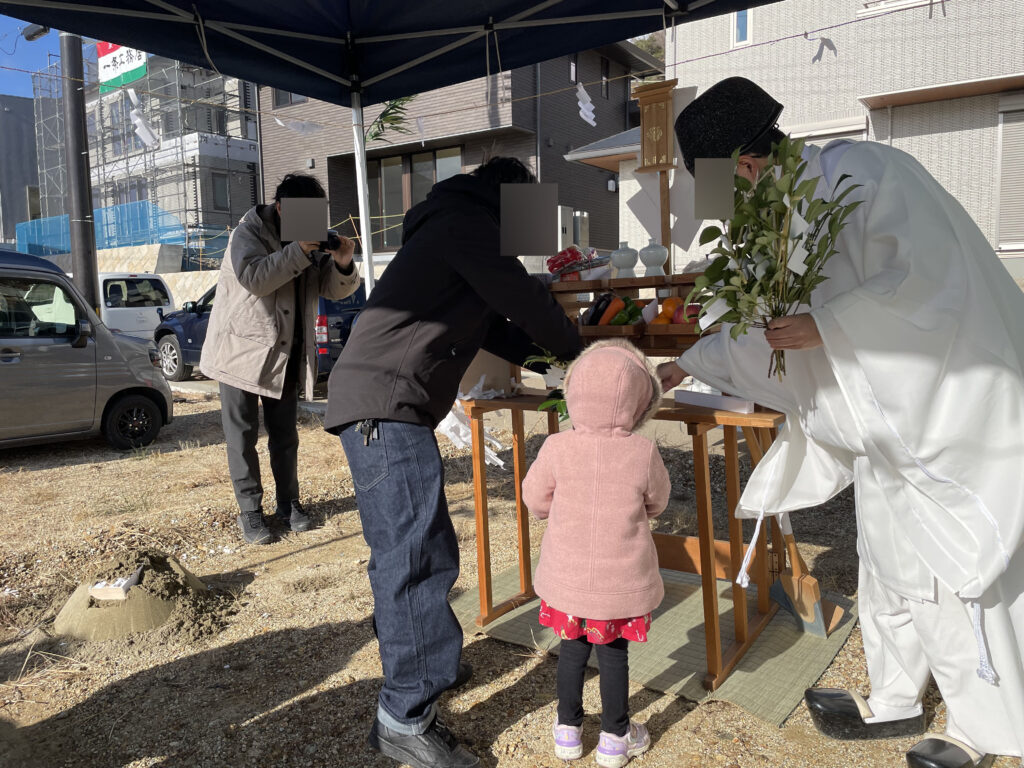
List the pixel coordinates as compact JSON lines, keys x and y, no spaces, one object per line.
{"x":611,"y":387}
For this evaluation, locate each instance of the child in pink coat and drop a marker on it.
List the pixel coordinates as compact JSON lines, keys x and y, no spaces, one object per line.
{"x":598,"y":577}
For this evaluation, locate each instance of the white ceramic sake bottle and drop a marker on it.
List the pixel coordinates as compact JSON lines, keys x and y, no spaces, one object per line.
{"x":653,"y":256}
{"x":624,"y":259}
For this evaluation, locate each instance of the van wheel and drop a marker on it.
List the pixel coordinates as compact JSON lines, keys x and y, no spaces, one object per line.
{"x":171,"y":363}
{"x":131,"y":422}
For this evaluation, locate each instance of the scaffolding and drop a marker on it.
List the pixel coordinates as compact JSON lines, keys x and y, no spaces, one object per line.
{"x":189,"y":188}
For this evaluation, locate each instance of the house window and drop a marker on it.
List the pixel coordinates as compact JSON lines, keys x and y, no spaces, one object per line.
{"x":395,"y":184}
{"x":1011,"y":191}
{"x":875,"y":7}
{"x":220,"y":191}
{"x":286,"y":98}
{"x":740,"y":27}
{"x":574,"y":60}
{"x":605,"y":70}
{"x":130,"y":191}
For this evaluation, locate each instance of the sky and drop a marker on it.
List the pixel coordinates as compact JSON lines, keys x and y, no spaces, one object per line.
{"x":16,"y":51}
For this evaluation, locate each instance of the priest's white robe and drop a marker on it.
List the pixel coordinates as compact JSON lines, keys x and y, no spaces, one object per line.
{"x":917,"y":397}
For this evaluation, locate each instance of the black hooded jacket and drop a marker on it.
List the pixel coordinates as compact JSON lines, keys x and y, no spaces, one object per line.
{"x":447,"y":293}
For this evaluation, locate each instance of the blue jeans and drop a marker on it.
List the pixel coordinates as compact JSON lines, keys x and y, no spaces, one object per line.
{"x":414,"y":561}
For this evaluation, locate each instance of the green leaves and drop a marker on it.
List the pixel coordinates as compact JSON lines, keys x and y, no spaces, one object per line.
{"x":710,"y":234}
{"x":754,"y":251}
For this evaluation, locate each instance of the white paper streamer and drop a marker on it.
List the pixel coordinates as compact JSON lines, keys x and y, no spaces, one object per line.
{"x":717,"y":308}
{"x":796,"y":259}
{"x":302,"y":127}
{"x":585,"y":104}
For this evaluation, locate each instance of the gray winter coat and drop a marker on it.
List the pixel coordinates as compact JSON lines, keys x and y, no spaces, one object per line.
{"x":252,"y":324}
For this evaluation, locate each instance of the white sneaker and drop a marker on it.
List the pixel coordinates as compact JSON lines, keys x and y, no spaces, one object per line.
{"x":615,"y":751}
{"x":568,"y":741}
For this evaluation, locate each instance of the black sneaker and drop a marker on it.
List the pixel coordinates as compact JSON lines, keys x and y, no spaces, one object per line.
{"x":254,"y":527}
{"x":295,"y":520}
{"x":435,"y":748}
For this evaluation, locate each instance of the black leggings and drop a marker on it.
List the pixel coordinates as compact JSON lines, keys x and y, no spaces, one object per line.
{"x":613,"y":663}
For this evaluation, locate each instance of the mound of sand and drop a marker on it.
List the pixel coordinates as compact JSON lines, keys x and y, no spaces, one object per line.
{"x":167,"y":594}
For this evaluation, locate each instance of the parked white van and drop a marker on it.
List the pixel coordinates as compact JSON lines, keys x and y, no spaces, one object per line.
{"x":129,"y":302}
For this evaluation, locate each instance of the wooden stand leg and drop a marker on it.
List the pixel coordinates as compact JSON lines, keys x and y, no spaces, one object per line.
{"x":552,"y":422}
{"x":483,"y":541}
{"x":706,"y":535}
{"x":732,"y":495}
{"x":522,"y":514}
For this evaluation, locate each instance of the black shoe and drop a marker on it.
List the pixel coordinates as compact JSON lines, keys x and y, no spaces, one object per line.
{"x":254,"y":528}
{"x":435,"y":748}
{"x":295,"y":519}
{"x":835,"y":713}
{"x":465,"y":674}
{"x":938,"y":753}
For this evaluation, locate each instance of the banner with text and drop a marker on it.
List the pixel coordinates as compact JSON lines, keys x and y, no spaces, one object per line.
{"x":119,"y":65}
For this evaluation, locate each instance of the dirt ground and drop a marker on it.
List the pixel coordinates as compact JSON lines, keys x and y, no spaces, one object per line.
{"x":285,"y":671}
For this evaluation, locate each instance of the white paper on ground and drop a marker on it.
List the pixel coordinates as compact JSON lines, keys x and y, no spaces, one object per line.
{"x":455,"y":426}
{"x":716,"y":310}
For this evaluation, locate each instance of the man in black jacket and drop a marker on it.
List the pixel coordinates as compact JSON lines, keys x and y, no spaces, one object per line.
{"x":447,"y":293}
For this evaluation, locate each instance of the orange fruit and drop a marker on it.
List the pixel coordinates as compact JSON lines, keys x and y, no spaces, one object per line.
{"x":670,"y":305}
{"x":661,"y":320}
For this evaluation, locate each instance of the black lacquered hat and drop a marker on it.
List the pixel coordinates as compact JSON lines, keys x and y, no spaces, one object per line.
{"x":733,"y":113}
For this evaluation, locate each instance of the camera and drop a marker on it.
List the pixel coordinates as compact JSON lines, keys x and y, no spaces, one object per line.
{"x":333,"y":241}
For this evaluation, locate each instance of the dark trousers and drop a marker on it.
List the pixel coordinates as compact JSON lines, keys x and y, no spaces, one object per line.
{"x":414,"y":561}
{"x":613,"y":663}
{"x":240,"y":415}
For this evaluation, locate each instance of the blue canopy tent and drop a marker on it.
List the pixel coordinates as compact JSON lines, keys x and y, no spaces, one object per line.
{"x":356,"y":52}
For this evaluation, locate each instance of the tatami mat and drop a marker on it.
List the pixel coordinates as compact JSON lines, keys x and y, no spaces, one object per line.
{"x":769,"y":681}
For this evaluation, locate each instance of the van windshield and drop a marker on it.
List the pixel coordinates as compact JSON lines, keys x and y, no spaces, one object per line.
{"x":134,"y":292}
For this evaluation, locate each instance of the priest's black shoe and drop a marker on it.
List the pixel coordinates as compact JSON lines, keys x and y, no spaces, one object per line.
{"x":836,"y":714}
{"x":435,"y":748}
{"x":939,"y":753}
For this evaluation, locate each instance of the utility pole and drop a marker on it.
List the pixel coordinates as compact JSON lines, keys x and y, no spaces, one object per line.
{"x":76,"y":150}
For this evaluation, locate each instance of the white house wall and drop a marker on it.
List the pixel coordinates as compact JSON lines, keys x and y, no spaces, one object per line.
{"x":925,"y":45}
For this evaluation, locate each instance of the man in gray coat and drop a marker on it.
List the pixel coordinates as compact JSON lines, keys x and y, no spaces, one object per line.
{"x":257,"y":341}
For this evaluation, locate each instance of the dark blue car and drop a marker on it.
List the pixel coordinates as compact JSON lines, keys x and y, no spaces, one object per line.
{"x":181,"y":334}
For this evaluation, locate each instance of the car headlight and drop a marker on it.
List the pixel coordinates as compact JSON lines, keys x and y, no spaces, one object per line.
{"x":154,"y":357}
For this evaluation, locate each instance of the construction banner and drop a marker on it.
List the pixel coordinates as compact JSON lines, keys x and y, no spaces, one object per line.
{"x":119,"y":65}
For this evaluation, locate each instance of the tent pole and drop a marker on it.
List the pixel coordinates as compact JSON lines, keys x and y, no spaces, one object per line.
{"x":359,"y":151}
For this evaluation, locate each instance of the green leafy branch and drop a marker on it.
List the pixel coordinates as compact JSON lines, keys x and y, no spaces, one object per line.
{"x":556,"y":398}
{"x":391,"y":119}
{"x":753,"y":272}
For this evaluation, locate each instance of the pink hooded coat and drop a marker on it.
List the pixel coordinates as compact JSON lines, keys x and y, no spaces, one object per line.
{"x":598,"y":485}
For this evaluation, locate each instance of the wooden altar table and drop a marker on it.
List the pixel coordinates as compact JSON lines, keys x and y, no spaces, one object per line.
{"x":702,"y":554}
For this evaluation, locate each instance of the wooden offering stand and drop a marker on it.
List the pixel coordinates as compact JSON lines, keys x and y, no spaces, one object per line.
{"x":702,"y":554}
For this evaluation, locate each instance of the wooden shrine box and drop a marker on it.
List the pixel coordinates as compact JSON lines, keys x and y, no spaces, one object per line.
{"x":657,"y":143}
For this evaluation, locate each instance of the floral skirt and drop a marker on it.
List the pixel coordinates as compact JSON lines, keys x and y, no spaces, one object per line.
{"x":597,"y":631}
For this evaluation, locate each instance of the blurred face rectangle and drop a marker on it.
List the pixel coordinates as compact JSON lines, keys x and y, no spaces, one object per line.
{"x":714,"y":187}
{"x":304,"y":219}
{"x":529,"y":219}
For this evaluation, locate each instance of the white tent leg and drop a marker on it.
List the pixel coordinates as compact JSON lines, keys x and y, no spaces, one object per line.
{"x":365,"y":229}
